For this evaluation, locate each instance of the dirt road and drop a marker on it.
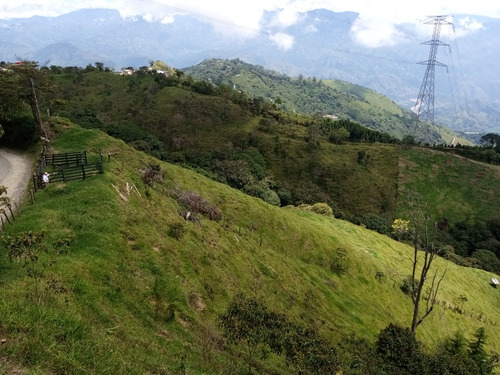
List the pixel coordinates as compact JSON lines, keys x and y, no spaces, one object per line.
{"x":15,"y":173}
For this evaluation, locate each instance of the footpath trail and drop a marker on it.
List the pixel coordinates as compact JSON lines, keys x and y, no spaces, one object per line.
{"x":15,"y":174}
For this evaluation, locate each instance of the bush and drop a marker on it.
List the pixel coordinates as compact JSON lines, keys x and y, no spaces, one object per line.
{"x":262,"y":190}
{"x":374,"y":222}
{"x":322,"y":209}
{"x":177,"y":230}
{"x":399,"y":349}
{"x":487,"y":260}
{"x":318,"y":208}
{"x":340,"y":261}
{"x":380,"y":276}
{"x":152,"y":174}
{"x":406,"y":286}
{"x":196,"y":204}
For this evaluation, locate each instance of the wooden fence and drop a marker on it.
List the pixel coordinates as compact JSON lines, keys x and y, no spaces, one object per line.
{"x":66,"y":167}
{"x":79,"y":172}
{"x":66,"y":160}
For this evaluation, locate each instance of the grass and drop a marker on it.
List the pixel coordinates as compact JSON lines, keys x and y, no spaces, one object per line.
{"x":457,"y":188}
{"x":129,"y":298}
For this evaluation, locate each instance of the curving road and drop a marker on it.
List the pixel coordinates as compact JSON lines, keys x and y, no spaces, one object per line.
{"x":15,"y":174}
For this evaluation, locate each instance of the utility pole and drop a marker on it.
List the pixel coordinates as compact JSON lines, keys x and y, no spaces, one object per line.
{"x":424,"y":107}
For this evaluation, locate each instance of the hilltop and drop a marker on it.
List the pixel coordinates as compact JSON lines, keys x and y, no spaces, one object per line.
{"x":123,"y":284}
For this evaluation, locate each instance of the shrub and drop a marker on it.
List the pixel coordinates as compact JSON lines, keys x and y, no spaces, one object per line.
{"x":380,"y":276}
{"x":340,"y":261}
{"x":196,"y":204}
{"x":399,"y":349}
{"x":407,"y":287}
{"x":487,"y":260}
{"x":177,"y":230}
{"x":318,"y":208}
{"x":262,"y":190}
{"x":152,"y":174}
{"x":322,"y":209}
{"x":400,"y":228}
{"x":374,"y":222}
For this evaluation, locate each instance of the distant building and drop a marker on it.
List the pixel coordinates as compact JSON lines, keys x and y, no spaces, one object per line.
{"x":331,"y":117}
{"x":127,"y":72}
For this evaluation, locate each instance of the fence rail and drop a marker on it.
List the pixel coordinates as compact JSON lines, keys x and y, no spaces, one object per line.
{"x":67,"y":159}
{"x":66,"y":167}
{"x":80,"y":172}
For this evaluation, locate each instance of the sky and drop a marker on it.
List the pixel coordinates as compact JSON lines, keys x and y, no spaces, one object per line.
{"x":377,"y":24}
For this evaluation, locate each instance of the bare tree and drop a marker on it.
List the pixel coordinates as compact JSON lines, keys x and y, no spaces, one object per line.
{"x":425,"y":250}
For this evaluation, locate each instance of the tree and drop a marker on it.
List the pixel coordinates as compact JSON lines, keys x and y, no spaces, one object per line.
{"x":11,"y":104}
{"x":452,"y":357}
{"x":491,"y":140}
{"x":424,"y":246}
{"x":398,"y":348}
{"x":400,"y":228}
{"x":486,"y":363}
{"x":245,"y":321}
{"x":99,"y":66}
{"x":487,"y":260}
{"x":339,"y":135}
{"x":32,"y":79}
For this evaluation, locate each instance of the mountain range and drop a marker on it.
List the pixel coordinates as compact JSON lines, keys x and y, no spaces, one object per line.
{"x":466,"y":92}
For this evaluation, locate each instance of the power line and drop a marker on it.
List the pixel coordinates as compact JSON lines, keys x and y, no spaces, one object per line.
{"x":424,"y":107}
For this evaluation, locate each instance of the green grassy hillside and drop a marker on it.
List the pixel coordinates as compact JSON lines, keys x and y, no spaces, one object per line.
{"x":456,"y":187}
{"x":122,"y":284}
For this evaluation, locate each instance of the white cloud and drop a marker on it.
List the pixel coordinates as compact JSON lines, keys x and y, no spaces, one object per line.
{"x":378,"y":24}
{"x":470,"y":24}
{"x":168,"y":19}
{"x":311,"y":29}
{"x":286,"y":17}
{"x":375,"y":33}
{"x":282,"y":40}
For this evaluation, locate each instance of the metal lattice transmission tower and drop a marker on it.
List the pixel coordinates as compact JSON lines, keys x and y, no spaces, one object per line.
{"x":424,"y":107}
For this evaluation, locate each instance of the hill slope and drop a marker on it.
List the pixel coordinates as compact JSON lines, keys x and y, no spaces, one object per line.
{"x":318,"y":97}
{"x":287,"y":158}
{"x":122,"y":284}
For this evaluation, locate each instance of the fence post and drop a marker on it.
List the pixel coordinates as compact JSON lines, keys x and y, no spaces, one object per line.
{"x":83,"y":171}
{"x":101,"y":165}
{"x":35,"y":182}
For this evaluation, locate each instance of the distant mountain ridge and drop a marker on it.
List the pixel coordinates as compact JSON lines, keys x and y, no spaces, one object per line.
{"x":466,"y":96}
